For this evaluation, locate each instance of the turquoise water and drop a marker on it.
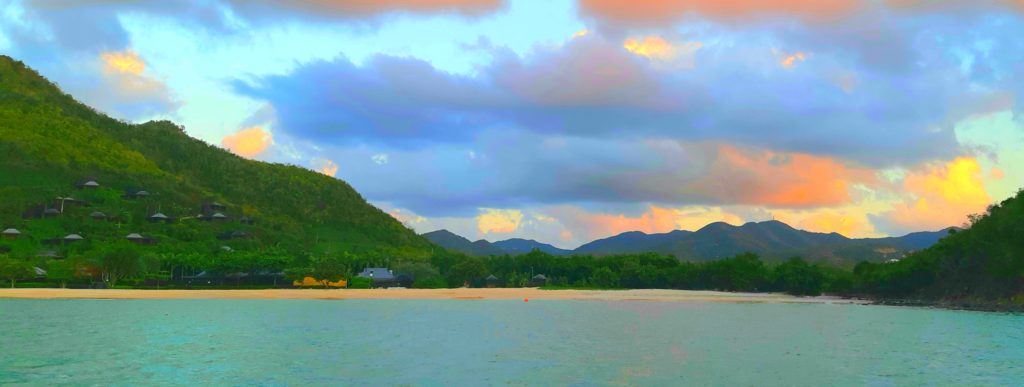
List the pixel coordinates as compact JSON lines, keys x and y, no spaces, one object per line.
{"x":459,"y":342}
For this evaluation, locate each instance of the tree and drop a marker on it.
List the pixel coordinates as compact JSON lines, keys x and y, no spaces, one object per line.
{"x":604,"y":278}
{"x":328,"y":268}
{"x":62,"y":271}
{"x":798,"y":278}
{"x":14,"y":269}
{"x":118,"y":262}
{"x":466,"y":271}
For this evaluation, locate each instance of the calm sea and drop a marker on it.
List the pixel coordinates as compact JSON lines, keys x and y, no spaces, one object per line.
{"x":459,"y":342}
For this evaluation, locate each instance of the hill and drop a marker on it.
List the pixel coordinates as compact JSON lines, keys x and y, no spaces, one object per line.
{"x":981,"y":264}
{"x":49,"y":142}
{"x":516,"y":246}
{"x":772,"y":240}
{"x":454,"y":242}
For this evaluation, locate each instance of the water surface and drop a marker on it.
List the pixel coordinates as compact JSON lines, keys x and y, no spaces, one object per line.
{"x":542,"y":342}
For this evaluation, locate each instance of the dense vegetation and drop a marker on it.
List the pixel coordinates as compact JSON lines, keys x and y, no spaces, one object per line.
{"x":983,"y":263}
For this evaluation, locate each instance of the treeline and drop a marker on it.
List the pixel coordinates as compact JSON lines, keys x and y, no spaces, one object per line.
{"x":127,"y":264}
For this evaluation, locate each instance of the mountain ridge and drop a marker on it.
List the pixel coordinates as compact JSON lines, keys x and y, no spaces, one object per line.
{"x":772,"y":239}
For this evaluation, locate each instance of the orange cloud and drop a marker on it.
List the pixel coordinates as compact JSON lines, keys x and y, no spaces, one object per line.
{"x":654,"y":220}
{"x":656,"y":48}
{"x":790,"y":60}
{"x":249,"y":142}
{"x":849,"y":224}
{"x":580,"y":33}
{"x":648,"y":12}
{"x":325,"y":166}
{"x":781,"y":179}
{"x":942,"y":196}
{"x":126,"y":62}
{"x":493,"y":220}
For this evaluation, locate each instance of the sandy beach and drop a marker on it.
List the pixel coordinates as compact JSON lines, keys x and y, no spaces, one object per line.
{"x":453,"y":294}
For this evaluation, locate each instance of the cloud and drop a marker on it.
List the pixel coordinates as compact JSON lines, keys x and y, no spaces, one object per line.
{"x":790,"y":60}
{"x":646,"y":13}
{"x":498,"y":221}
{"x":380,"y":158}
{"x":123,"y":89}
{"x":940,"y":195}
{"x":248,"y":143}
{"x":656,"y":48}
{"x":350,"y":9}
{"x":325,"y":166}
{"x":592,"y":87}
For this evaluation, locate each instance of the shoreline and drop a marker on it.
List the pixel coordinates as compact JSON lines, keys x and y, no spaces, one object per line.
{"x":663,"y":295}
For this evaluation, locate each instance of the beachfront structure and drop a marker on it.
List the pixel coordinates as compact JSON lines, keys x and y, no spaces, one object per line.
{"x":538,"y":281}
{"x":379,"y":276}
{"x":491,"y":281}
{"x":11,"y":233}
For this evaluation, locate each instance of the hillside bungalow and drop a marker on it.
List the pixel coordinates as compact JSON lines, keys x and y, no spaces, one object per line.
{"x":88,"y":184}
{"x":538,"y":281}
{"x":72,"y":238}
{"x":11,"y":233}
{"x":233,"y":235}
{"x":213,"y":207}
{"x":49,"y":254}
{"x":139,"y":239}
{"x":491,"y":281}
{"x":379,"y":276}
{"x":136,"y":194}
{"x":96,"y":215}
{"x":159,"y":217}
{"x":218,"y":217}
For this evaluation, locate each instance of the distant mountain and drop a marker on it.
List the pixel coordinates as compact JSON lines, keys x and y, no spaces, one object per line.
{"x":773,"y":240}
{"x":452,"y":241}
{"x":516,"y":246}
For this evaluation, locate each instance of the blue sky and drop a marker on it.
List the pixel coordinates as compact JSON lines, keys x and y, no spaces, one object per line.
{"x":565,"y":121}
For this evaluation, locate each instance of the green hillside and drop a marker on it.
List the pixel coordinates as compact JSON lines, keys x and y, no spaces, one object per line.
{"x":983,"y":263}
{"x":49,"y":142}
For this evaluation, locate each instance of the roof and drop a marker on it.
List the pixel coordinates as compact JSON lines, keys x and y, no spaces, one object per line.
{"x":141,"y":193}
{"x":377,"y":273}
{"x":51,"y":211}
{"x":158,"y":215}
{"x":91,"y":183}
{"x":134,"y":236}
{"x":540,"y":276}
{"x":73,"y":237}
{"x":11,"y":231}
{"x":97,"y":214}
{"x":491,"y":277}
{"x":218,"y":215}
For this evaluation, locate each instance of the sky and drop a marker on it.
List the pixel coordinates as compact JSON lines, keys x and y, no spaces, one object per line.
{"x":567,"y":121}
